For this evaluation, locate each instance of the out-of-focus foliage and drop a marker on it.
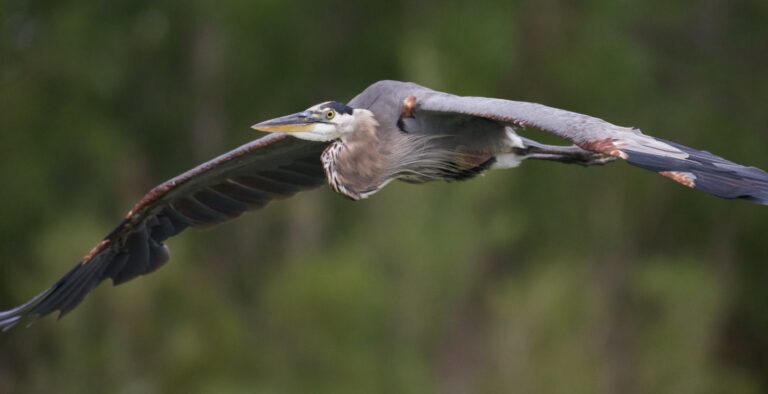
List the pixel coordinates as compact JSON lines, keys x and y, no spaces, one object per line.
{"x":545,"y":279}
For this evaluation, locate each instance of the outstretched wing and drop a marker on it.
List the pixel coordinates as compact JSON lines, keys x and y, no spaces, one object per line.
{"x":693,"y":168}
{"x":272,"y":167}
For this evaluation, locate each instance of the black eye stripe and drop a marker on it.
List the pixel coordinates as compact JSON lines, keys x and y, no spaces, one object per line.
{"x":340,"y":108}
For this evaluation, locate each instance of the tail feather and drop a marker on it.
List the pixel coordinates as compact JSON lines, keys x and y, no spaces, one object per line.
{"x":707,"y":172}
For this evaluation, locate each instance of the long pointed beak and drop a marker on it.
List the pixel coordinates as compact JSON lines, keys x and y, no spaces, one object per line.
{"x":298,"y":122}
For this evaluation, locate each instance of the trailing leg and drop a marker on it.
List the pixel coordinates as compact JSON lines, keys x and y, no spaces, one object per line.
{"x":564,"y":154}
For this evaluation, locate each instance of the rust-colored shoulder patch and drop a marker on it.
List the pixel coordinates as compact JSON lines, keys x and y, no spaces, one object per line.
{"x":409,"y":106}
{"x":96,"y":250}
{"x":683,"y":178}
{"x":606,"y":147}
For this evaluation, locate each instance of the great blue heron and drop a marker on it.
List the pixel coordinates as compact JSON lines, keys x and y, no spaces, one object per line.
{"x":392,"y":130}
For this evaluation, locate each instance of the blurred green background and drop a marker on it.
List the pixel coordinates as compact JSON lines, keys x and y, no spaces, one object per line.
{"x":546,"y":279}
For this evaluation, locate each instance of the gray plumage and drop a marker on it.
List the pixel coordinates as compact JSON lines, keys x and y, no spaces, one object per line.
{"x":390,"y":131}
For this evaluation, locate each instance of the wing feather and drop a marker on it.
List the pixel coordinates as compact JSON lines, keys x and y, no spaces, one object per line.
{"x":697,"y":169}
{"x":205,"y":195}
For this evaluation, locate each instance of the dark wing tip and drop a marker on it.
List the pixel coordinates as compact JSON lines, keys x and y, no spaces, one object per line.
{"x":737,"y":182}
{"x":139,"y":252}
{"x":63,"y":296}
{"x":12,"y":317}
{"x":709,"y":173}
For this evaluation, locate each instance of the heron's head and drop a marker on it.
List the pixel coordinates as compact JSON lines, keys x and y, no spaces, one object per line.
{"x":322,"y":122}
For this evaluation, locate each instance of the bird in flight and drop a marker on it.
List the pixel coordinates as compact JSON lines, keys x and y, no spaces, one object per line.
{"x":391,"y":131}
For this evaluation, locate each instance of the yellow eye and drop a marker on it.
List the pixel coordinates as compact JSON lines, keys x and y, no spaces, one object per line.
{"x":330,"y":114}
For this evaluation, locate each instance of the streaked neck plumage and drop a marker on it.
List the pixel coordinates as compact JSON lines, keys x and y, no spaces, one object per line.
{"x":349,"y":166}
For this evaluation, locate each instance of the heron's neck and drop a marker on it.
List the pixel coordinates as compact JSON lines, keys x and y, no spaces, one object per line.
{"x":362,"y":125}
{"x":354,"y":164}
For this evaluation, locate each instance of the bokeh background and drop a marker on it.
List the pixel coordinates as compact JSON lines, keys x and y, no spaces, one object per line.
{"x":546,"y":279}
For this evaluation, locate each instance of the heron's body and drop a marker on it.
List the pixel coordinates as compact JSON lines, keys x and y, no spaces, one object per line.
{"x":391,"y":131}
{"x":415,"y":156}
{"x":409,"y":149}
